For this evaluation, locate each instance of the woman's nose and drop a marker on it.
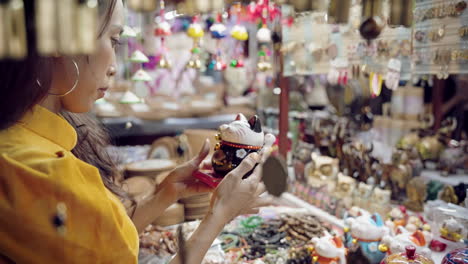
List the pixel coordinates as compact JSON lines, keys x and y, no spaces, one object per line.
{"x":112,"y":71}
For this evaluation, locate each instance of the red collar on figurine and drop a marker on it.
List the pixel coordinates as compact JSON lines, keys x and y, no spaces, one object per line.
{"x":327,"y":260}
{"x":367,"y":240}
{"x":235,"y":145}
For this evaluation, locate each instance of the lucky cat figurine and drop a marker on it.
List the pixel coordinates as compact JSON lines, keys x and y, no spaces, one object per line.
{"x":380,"y":201}
{"x":321,"y":170}
{"x":398,"y":243}
{"x":362,"y":195}
{"x":237,"y":140}
{"x":366,"y":232}
{"x":328,"y":249}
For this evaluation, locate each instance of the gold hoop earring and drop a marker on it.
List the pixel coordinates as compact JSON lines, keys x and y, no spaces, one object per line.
{"x":74,"y":85}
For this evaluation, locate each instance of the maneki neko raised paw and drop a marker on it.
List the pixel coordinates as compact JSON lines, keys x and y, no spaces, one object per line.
{"x":236,"y":140}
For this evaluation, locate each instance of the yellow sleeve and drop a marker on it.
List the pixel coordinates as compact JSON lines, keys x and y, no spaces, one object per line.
{"x":97,"y":227}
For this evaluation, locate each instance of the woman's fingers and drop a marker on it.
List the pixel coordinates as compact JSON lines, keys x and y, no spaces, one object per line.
{"x":256,"y":176}
{"x":245,"y":166}
{"x":261,"y":202}
{"x":250,"y":211}
{"x":260,"y":189}
{"x":204,"y":151}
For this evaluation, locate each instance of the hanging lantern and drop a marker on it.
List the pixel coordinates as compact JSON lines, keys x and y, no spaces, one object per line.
{"x":401,"y":13}
{"x":142,"y":5}
{"x":338,"y":11}
{"x":138,"y":57}
{"x":141,"y":76}
{"x":15,"y":45}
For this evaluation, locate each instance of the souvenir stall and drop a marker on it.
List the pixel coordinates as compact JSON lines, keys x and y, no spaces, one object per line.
{"x":368,"y":163}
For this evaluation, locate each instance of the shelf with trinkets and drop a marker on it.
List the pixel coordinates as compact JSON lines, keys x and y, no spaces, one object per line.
{"x":439,"y":37}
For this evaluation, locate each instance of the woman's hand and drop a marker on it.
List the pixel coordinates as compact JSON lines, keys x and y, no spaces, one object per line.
{"x":180,"y":181}
{"x":235,"y":196}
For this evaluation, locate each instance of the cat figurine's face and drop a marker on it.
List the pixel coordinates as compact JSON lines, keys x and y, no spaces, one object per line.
{"x":243,"y":131}
{"x":380,"y":196}
{"x":346,"y":185}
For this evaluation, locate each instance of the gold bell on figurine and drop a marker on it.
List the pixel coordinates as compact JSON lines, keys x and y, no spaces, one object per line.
{"x":383,"y":248}
{"x":401,"y":13}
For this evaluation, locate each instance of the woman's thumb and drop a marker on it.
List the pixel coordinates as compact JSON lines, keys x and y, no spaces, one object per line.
{"x":204,"y":151}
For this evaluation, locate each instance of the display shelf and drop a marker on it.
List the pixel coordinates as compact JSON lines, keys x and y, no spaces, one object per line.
{"x":324,"y":216}
{"x":449,"y":180}
{"x":132,"y":126}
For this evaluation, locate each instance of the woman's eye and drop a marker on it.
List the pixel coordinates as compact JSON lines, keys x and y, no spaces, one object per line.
{"x":115,"y":42}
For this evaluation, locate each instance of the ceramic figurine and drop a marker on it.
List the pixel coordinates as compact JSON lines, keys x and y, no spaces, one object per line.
{"x":451,"y":236}
{"x":415,"y":223}
{"x":458,"y":256}
{"x":321,"y":169}
{"x":448,"y":195}
{"x":328,"y":250}
{"x":380,"y":201}
{"x":362,"y":195}
{"x":344,"y":189}
{"x":397,"y":218}
{"x":366,"y":232}
{"x":237,"y":140}
{"x":399,"y":173}
{"x":408,"y":257}
{"x":301,"y":156}
{"x":454,"y":157}
{"x":416,"y":191}
{"x":398,"y":243}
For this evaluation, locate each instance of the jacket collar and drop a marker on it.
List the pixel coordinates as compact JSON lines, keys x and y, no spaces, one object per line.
{"x":50,"y":126}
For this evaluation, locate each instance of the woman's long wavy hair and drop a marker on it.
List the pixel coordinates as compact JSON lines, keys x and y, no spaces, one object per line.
{"x":19,"y":93}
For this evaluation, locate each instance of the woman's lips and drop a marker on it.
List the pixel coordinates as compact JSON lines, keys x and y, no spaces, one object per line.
{"x":102,"y":91}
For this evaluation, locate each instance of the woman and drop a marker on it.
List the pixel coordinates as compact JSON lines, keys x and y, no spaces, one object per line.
{"x":54,"y":207}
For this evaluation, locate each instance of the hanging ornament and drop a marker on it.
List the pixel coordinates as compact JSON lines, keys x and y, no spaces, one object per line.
{"x":128,"y":32}
{"x":218,"y":29}
{"x":263,"y":62}
{"x":375,"y":84}
{"x":239,"y":33}
{"x":141,"y":76}
{"x":129,"y":98}
{"x":264,"y":34}
{"x":163,"y":29}
{"x":195,"y":31}
{"x":138,"y":57}
{"x":218,"y":32}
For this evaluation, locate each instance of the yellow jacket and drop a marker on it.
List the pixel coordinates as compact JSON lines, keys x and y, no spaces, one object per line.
{"x":38,"y":172}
